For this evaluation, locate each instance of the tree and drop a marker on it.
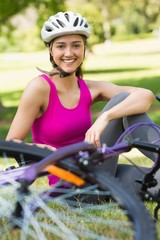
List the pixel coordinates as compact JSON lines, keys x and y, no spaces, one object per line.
{"x":130,"y":16}
{"x":91,"y":12}
{"x":10,"y":32}
{"x":9,"y":8}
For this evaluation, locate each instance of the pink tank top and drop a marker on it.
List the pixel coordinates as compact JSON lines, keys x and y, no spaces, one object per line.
{"x":60,"y":126}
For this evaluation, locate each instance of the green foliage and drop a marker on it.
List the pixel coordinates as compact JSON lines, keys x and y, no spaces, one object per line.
{"x":8,"y":8}
{"x":108,"y":18}
{"x":90,"y":11}
{"x":47,"y":8}
{"x":135,"y":23}
{"x":121,"y":36}
{"x":15,"y":37}
{"x":135,"y":17}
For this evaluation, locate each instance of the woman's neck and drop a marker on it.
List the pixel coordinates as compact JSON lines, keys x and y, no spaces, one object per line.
{"x":66,"y":83}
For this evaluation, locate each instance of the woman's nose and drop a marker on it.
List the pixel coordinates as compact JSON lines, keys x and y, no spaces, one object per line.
{"x":68,"y":51}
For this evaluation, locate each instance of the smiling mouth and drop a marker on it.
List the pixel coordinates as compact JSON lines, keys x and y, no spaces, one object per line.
{"x":68,"y":60}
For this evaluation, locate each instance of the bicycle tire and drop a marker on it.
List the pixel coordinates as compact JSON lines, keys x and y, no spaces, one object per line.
{"x":144,"y":224}
{"x":137,"y":214}
{"x":23,"y":153}
{"x":130,"y":219}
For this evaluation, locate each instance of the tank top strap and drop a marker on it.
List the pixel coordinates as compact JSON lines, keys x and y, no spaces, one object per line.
{"x":44,"y":76}
{"x":53,"y":90}
{"x":85,"y":93}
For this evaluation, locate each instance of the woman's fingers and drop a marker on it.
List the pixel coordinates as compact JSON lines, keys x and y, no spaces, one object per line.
{"x":93,"y":138}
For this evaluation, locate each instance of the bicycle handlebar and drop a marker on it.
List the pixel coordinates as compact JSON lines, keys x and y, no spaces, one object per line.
{"x":84,"y":151}
{"x":61,"y":154}
{"x":32,"y":172}
{"x":146,"y":146}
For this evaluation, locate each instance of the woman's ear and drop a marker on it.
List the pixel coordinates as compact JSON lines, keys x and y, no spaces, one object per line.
{"x":50,"y":47}
{"x":85,"y":47}
{"x":50,"y":50}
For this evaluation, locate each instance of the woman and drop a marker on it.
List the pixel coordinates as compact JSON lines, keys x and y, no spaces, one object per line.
{"x":56,"y":105}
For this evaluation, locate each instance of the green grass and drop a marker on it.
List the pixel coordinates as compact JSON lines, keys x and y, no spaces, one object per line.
{"x":135,"y":63}
{"x":110,"y":212}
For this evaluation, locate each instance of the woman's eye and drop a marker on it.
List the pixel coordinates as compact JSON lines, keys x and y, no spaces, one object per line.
{"x":60,"y":46}
{"x":76,"y":46}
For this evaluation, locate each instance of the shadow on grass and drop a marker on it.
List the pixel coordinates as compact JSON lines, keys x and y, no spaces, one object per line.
{"x":6,"y":116}
{"x":152,"y":83}
{"x":113,"y":70}
{"x":11,"y":96}
{"x":8,"y":113}
{"x":128,"y":53}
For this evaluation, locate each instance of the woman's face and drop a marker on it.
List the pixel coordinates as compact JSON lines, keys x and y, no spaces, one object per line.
{"x":68,"y":52}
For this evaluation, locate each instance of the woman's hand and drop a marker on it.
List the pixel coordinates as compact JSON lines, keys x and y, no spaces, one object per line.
{"x":95,"y":131}
{"x":46,"y":146}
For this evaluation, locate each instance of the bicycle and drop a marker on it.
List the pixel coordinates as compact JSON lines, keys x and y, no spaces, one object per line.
{"x":84,"y":204}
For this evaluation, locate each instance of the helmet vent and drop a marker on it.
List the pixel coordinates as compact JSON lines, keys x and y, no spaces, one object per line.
{"x":54,"y":24}
{"x":48,"y":29}
{"x":86,"y":25}
{"x":60,"y":23}
{"x":67,"y":16}
{"x":76,"y":22}
{"x":81,"y":22}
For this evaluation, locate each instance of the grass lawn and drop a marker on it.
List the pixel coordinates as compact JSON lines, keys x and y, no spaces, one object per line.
{"x":135,"y":63}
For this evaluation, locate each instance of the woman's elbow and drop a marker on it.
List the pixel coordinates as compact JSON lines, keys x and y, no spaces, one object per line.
{"x":149,"y":96}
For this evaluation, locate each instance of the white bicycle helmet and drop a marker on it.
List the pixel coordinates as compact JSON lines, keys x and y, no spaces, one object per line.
{"x":64,"y":23}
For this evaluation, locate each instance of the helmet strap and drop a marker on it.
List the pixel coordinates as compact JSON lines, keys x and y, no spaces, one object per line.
{"x":61,"y":74}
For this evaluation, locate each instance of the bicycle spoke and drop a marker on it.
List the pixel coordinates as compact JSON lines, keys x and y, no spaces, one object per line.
{"x":102,"y":210}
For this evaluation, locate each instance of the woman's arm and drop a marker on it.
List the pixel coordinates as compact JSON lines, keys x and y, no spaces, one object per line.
{"x":28,"y":110}
{"x":32,"y":105}
{"x":138,"y":101}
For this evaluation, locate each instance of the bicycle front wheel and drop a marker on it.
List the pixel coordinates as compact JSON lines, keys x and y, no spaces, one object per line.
{"x":101,"y":209}
{"x":97,"y":211}
{"x":131,"y":208}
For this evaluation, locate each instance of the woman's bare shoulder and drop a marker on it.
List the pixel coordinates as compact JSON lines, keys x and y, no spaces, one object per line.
{"x":102,"y":90}
{"x":38,"y":84}
{"x":96,"y":83}
{"x":99,"y":85}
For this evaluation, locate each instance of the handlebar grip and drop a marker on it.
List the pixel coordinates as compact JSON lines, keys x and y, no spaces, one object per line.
{"x":147,"y":146}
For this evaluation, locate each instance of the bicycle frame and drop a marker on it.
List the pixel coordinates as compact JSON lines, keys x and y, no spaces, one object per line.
{"x":88,"y":154}
{"x":78,"y":161}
